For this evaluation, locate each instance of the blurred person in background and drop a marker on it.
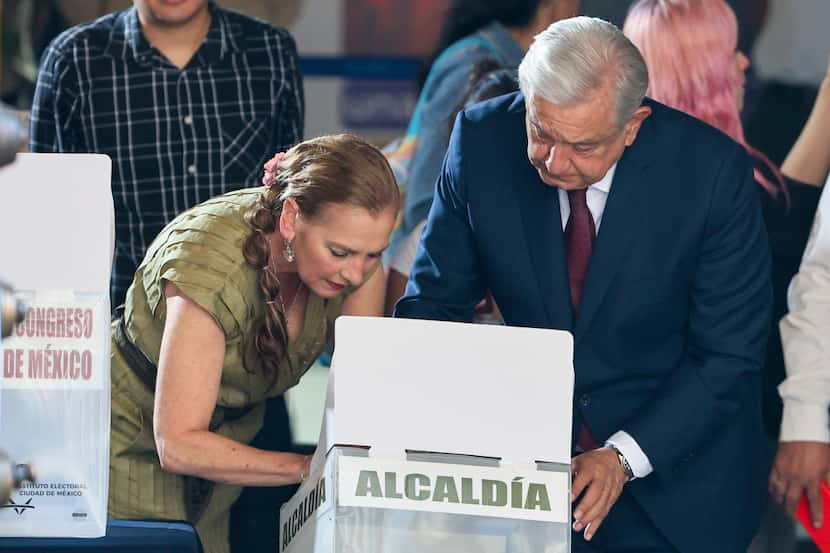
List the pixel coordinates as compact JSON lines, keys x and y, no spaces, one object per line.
{"x":750,"y":15}
{"x":790,"y":57}
{"x":473,"y":31}
{"x":29,"y":26}
{"x":691,"y":50}
{"x":27,"y":29}
{"x":803,"y":461}
{"x":188,"y":100}
{"x":486,"y":80}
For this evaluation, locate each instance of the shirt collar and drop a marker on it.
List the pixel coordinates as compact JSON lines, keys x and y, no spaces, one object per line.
{"x":140,"y":46}
{"x":499,"y":37}
{"x":218,"y":42}
{"x":604,"y":184}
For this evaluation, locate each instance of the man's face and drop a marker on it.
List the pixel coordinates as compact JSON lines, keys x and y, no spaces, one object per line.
{"x":169,"y":12}
{"x":573,"y":146}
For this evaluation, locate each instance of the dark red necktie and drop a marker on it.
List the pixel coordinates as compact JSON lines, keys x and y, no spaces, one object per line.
{"x":579,"y":240}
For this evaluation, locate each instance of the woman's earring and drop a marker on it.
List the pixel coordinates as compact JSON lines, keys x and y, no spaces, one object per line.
{"x":288,"y":252}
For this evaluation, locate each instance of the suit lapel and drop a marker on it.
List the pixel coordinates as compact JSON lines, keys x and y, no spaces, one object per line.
{"x":542,"y":223}
{"x":625,"y":212}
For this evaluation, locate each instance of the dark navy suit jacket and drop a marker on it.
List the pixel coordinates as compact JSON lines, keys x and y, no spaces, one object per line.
{"x":675,"y":308}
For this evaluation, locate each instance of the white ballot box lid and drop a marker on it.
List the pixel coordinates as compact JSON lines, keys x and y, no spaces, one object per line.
{"x":405,"y":385}
{"x":57,"y":229}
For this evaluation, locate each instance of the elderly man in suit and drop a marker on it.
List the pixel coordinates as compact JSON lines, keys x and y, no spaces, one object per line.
{"x":638,"y":229}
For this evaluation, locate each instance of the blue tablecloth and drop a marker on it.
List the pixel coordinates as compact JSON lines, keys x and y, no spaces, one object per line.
{"x":123,"y":536}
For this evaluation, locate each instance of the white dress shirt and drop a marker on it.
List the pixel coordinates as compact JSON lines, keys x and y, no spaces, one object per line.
{"x":403,"y":259}
{"x":805,"y":334}
{"x":596,"y":197}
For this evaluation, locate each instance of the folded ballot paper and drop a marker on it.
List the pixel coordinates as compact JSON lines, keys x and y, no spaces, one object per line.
{"x":56,"y":244}
{"x":437,"y":438}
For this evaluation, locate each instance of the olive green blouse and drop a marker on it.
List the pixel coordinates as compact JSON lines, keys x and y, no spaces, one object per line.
{"x":201,"y":253}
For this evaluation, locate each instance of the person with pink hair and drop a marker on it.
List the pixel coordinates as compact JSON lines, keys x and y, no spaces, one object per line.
{"x":690,"y":49}
{"x":694,"y":66}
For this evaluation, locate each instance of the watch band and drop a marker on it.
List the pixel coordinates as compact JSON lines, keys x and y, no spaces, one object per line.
{"x":626,"y":467}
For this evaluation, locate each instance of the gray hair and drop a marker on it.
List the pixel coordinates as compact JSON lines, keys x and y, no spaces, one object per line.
{"x":573,"y":57}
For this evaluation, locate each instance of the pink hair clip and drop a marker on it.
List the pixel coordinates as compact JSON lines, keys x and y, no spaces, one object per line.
{"x":269,"y":179}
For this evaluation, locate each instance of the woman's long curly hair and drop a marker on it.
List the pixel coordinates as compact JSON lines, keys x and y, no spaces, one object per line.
{"x":330,"y":170}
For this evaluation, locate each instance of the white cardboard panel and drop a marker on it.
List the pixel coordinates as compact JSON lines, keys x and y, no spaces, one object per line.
{"x":56,"y":246}
{"x":54,"y":209}
{"x":486,"y":390}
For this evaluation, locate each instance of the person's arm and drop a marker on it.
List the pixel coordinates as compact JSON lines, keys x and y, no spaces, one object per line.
{"x":805,"y":334}
{"x":446,"y":283}
{"x":55,"y":124}
{"x":809,"y":159}
{"x":803,"y":458}
{"x":189,"y":374}
{"x":54,"y":120}
{"x":367,"y":300}
{"x":291,"y":112}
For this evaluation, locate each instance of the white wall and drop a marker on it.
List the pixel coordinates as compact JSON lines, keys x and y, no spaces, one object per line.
{"x":320,"y":30}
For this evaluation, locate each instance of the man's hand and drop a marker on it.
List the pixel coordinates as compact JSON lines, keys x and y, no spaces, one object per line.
{"x":800,"y":467}
{"x":599,"y":474}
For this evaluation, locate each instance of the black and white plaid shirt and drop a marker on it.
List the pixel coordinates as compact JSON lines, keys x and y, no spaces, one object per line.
{"x":176,"y":137}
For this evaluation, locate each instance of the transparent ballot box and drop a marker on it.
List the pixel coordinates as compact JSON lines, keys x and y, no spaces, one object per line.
{"x":55,"y":363}
{"x":437,"y":504}
{"x":439,"y":437}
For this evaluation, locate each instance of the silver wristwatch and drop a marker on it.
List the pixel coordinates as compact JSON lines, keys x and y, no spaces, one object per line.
{"x":626,"y":467}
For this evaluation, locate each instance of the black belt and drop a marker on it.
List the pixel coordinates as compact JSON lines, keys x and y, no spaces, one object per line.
{"x":141,"y":366}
